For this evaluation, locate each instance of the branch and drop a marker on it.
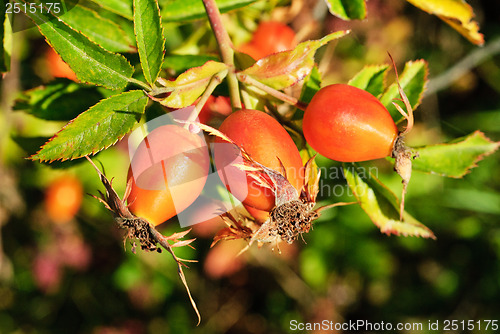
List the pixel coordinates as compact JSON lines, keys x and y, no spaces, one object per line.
{"x":225,"y":48}
{"x":472,"y":60}
{"x":271,"y":91}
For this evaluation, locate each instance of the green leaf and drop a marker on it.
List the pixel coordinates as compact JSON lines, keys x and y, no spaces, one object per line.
{"x":371,"y":78}
{"x":185,"y":10}
{"x":413,"y":81}
{"x":32,"y":144}
{"x":181,"y":63}
{"x":120,"y":7}
{"x":96,"y":129}
{"x":90,"y":62}
{"x":191,"y":84}
{"x":457,"y":13}
{"x":284,"y":69}
{"x":455,"y":159}
{"x":380,"y":204}
{"x":149,"y":37}
{"x":311,"y":85}
{"x":347,"y":9}
{"x":98,"y":29}
{"x":60,"y":100}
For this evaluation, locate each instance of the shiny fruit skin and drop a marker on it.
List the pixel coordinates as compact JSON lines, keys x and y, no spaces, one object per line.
{"x":269,"y":37}
{"x":177,"y":178}
{"x":63,"y":198}
{"x":265,"y":140}
{"x":348,"y":124}
{"x":57,"y":67}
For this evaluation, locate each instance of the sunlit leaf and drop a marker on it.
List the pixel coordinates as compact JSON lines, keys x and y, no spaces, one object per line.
{"x":413,"y":81}
{"x":380,"y":204}
{"x":371,"y":78}
{"x":191,"y":84}
{"x":149,"y":36}
{"x":457,"y":13}
{"x":98,"y":29}
{"x":455,"y":159}
{"x":185,"y":10}
{"x":284,"y":69}
{"x":120,"y":7}
{"x":347,"y":9}
{"x":96,"y":129}
{"x":61,"y":100}
{"x":311,"y":85}
{"x":91,"y":63}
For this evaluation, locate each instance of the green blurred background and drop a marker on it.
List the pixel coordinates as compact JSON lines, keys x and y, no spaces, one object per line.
{"x":76,"y":277}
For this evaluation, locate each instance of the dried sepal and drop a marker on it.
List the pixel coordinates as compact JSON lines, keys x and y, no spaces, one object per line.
{"x":401,"y":153}
{"x":293,"y":212}
{"x":143,"y":231}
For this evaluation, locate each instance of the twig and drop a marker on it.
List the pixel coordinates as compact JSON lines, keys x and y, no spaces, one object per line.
{"x":473,"y":59}
{"x":214,"y":82}
{"x":141,"y":84}
{"x":271,"y":91}
{"x":225,"y":48}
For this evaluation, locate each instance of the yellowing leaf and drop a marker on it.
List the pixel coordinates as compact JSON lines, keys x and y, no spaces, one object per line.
{"x":191,"y":84}
{"x":284,"y":69}
{"x":457,"y":13}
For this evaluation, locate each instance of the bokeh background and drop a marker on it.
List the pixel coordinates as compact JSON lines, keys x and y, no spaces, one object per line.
{"x":74,"y":275}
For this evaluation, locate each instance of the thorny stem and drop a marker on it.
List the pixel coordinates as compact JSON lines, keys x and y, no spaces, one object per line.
{"x":141,"y":84}
{"x":271,"y":91}
{"x":226,"y":50}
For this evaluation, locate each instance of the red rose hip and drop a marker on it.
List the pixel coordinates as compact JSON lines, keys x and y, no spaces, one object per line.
{"x":268,"y":143}
{"x":348,"y":124}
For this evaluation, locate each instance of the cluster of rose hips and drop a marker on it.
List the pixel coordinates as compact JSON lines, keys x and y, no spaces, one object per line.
{"x":342,"y":122}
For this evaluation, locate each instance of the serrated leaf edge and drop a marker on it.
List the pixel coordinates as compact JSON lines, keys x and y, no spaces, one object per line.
{"x":113,"y":53}
{"x":93,"y":152}
{"x":474,"y":163}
